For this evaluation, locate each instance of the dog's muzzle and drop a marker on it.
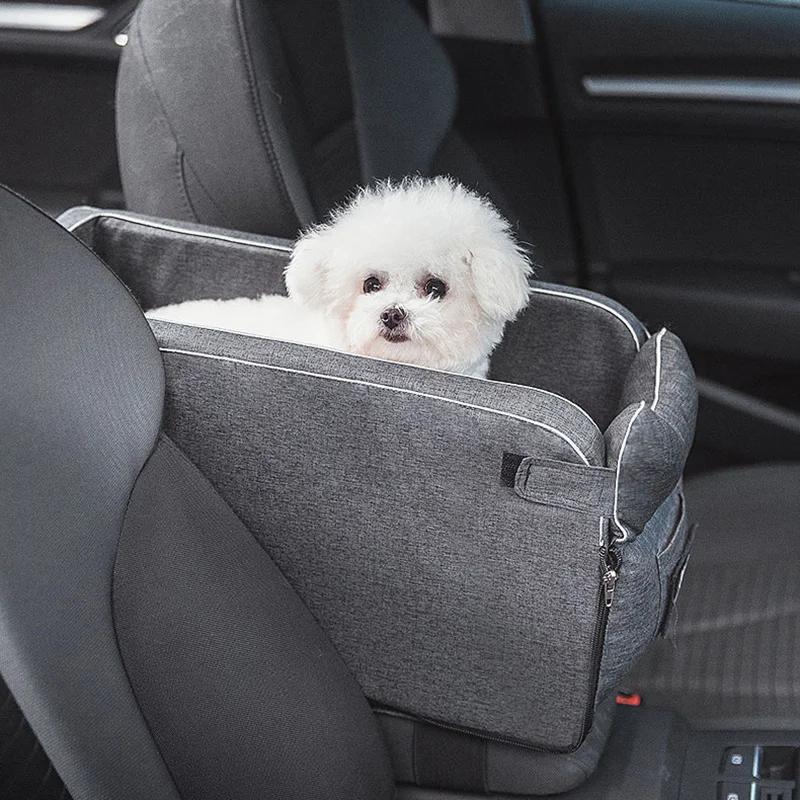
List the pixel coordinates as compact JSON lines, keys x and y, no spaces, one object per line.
{"x":392,"y":320}
{"x":393,"y":317}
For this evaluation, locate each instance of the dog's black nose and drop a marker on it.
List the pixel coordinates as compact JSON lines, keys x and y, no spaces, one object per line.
{"x":392,"y":317}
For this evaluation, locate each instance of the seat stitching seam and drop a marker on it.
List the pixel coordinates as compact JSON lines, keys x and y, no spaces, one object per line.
{"x":262,"y":125}
{"x":657,"y":386}
{"x":148,"y":74}
{"x":187,"y":167}
{"x":121,"y":215}
{"x":179,"y":160}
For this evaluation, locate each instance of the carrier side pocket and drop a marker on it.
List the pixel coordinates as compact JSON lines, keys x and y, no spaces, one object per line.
{"x":672,"y":562}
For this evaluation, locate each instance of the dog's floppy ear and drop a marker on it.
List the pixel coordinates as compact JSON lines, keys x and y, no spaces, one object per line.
{"x":306,"y":273}
{"x":500,"y":277}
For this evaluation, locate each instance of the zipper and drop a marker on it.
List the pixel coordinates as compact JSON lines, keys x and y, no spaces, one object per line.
{"x":609,"y":570}
{"x":610,"y":561}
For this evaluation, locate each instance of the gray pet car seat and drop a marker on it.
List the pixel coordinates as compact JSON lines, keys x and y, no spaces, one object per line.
{"x":202,"y":138}
{"x":488,"y":558}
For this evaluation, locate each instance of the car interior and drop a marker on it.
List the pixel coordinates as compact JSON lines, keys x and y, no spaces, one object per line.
{"x":188,"y":607}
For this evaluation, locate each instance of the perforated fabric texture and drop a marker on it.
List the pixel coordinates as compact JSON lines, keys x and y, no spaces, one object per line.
{"x":245,"y":695}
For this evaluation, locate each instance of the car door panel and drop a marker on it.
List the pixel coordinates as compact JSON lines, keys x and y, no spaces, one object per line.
{"x":680,"y":122}
{"x":57,"y":99}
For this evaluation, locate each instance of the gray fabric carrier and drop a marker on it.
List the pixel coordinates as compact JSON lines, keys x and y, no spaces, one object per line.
{"x":457,"y":539}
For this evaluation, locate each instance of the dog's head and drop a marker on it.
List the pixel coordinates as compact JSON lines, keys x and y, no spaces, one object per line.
{"x":424,"y":272}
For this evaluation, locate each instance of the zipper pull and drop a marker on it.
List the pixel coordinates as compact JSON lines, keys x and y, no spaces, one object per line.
{"x":609,"y":561}
{"x":609,"y":585}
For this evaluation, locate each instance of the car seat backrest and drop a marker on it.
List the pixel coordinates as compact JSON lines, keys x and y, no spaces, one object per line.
{"x":205,"y":676}
{"x":241,"y":114}
{"x":263,"y":116}
{"x":243,"y":692}
{"x":206,"y":115}
{"x":82,"y":393}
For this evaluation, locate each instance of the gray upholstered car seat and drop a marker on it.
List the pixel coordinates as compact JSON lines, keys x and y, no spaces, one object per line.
{"x":735,"y":661}
{"x":152,"y":644}
{"x":254,"y":116}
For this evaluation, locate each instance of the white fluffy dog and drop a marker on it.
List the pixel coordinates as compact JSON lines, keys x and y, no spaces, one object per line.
{"x":425,"y":272}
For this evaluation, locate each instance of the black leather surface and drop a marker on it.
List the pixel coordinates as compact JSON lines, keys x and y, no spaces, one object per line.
{"x":245,"y":695}
{"x":25,"y":770}
{"x":80,"y":398}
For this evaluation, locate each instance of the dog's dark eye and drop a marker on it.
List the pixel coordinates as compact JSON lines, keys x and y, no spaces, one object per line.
{"x":435,"y":288}
{"x":371,"y":284}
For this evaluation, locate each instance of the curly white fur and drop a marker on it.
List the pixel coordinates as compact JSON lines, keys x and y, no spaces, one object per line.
{"x":412,"y":238}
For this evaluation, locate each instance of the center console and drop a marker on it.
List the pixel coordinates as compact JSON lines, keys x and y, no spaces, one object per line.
{"x":742,"y":765}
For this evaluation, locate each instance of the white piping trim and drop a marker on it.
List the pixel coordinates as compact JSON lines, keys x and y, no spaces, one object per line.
{"x":282,"y":248}
{"x":626,"y":534}
{"x":327,"y":349}
{"x":285,"y":249}
{"x":657,"y":388}
{"x":592,"y":302}
{"x":177,"y":229}
{"x":340,"y":379}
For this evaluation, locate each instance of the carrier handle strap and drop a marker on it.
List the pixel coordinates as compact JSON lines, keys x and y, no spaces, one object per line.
{"x":560,"y":483}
